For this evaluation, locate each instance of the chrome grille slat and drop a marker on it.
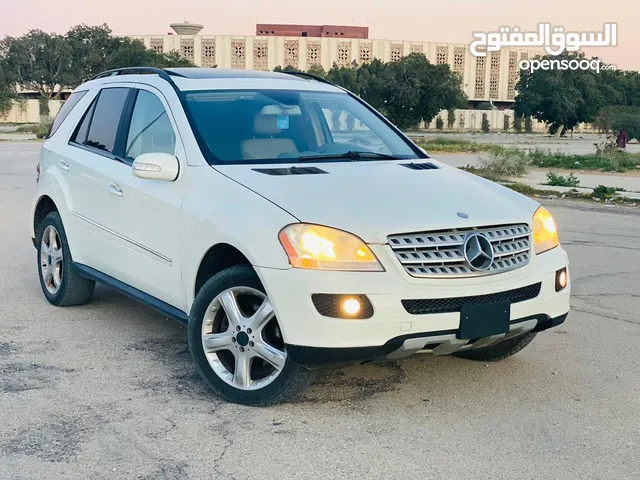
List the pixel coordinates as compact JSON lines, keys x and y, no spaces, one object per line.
{"x":440,"y":253}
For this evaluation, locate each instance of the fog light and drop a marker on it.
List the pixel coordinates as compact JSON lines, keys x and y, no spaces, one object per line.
{"x":351,"y":306}
{"x":347,"y":306}
{"x":561,"y":279}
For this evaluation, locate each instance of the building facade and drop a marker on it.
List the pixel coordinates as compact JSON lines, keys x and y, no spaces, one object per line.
{"x":491,"y":78}
{"x":269,"y":29}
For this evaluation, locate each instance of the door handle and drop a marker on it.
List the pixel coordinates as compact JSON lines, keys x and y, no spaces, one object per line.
{"x":115,"y":190}
{"x":63,"y":165}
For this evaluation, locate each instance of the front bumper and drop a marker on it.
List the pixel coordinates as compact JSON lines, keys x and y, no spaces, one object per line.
{"x":311,"y":336}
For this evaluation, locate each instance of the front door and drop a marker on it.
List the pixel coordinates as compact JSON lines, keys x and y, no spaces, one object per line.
{"x":145,"y":214}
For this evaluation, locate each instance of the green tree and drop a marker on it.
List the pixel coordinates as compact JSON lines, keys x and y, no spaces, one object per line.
{"x":7,"y":85}
{"x":614,"y":119}
{"x":415,"y":90}
{"x":39,"y":61}
{"x":486,"y":127}
{"x":561,"y":98}
{"x":287,"y":68}
{"x":439,"y":123}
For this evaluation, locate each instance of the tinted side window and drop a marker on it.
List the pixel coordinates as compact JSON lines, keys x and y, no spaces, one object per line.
{"x":106,"y":119}
{"x":64,"y":111}
{"x":150,"y":130}
{"x":80,"y":135}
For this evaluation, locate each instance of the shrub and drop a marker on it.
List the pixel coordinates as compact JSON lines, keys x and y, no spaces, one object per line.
{"x":561,"y":181}
{"x":439,"y":123}
{"x":38,"y":129}
{"x":528,"y":125}
{"x":508,"y":162}
{"x":604,"y":192}
{"x":486,"y":127}
{"x":517,"y":124}
{"x":451,"y":118}
{"x":506,"y":123}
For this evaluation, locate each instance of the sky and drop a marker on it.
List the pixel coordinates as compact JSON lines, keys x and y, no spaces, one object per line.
{"x":418,"y":20}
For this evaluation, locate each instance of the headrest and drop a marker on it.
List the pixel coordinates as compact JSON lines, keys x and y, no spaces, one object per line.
{"x":266,"y":124}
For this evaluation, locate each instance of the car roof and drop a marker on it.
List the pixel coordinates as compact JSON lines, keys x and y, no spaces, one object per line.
{"x":195,"y":78}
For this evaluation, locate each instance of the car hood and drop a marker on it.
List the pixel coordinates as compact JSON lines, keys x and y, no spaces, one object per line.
{"x":374,"y":199}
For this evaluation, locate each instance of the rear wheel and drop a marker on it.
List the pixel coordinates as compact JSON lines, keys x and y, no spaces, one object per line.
{"x":498,"y":351}
{"x":61,"y":284}
{"x":236,"y":342}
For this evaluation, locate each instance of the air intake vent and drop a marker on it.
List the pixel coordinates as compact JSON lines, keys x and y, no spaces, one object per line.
{"x":420,"y":166}
{"x":290,"y":171}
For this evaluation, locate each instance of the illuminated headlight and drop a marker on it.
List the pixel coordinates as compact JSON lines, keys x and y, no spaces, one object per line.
{"x":545,"y":234}
{"x":324,"y":248}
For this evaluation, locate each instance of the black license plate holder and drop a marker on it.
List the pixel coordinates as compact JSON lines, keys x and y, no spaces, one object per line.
{"x":477,"y":321}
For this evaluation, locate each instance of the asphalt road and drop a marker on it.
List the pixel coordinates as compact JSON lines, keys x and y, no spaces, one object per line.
{"x":107,"y":390}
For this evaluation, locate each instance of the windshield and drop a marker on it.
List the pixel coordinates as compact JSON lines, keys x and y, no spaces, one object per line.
{"x":282,"y":126}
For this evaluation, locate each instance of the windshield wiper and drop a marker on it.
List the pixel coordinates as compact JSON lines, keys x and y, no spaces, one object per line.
{"x":351,"y":155}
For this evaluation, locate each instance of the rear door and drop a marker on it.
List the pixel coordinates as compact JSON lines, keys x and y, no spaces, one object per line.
{"x":91,"y":164}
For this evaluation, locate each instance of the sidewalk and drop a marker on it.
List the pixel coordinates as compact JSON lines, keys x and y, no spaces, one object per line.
{"x":537,"y":176}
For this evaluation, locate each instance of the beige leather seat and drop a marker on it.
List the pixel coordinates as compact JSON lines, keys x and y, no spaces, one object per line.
{"x":263,"y":145}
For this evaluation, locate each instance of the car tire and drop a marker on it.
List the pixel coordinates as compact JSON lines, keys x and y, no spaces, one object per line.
{"x":498,"y":351}
{"x":62,"y":285}
{"x":218,"y":364}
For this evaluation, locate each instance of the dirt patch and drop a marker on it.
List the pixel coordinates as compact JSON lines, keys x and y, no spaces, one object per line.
{"x":20,"y":377}
{"x":355,"y":383}
{"x":58,"y":440}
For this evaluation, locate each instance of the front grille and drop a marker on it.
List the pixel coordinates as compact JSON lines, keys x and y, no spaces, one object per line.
{"x":440,"y":253}
{"x":455,"y":304}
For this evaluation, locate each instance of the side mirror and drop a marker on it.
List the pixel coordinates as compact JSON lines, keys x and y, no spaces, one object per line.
{"x":156,"y":166}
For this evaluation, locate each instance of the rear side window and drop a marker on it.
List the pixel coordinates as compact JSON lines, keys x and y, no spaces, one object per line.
{"x":105,"y":119}
{"x":64,"y":112}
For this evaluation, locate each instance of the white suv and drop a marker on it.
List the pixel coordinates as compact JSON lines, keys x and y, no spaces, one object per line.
{"x":289,"y":224}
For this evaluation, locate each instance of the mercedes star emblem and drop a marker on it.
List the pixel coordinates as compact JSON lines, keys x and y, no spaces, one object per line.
{"x":478,"y":251}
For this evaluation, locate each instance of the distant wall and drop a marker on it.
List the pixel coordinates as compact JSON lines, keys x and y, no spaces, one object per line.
{"x":28,"y":111}
{"x":471,"y":120}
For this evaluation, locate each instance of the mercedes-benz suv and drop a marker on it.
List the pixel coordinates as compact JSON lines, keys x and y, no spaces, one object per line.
{"x":289,"y":224}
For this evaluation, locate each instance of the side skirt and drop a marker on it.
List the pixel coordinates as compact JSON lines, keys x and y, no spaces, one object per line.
{"x":158,"y":305}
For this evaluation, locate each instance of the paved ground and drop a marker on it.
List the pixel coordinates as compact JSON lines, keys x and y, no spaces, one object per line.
{"x":107,"y":390}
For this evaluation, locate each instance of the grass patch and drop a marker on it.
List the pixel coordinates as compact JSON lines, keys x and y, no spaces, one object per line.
{"x":556,"y":180}
{"x":608,"y":161}
{"x":506,"y":162}
{"x":453,"y":145}
{"x":38,"y":129}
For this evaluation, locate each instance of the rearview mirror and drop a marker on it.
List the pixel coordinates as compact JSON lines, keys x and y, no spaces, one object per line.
{"x":156,"y":166}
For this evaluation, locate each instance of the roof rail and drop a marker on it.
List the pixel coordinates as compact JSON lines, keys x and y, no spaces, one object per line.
{"x":311,"y":76}
{"x":164,"y":74}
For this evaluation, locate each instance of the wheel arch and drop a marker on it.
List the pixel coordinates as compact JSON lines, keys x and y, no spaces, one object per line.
{"x":220,"y":256}
{"x":43,"y":207}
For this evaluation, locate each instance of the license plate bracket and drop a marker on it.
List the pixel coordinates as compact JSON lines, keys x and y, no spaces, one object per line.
{"x":477,"y":321}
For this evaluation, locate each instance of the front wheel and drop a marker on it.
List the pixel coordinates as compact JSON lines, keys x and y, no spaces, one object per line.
{"x":236,"y":342}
